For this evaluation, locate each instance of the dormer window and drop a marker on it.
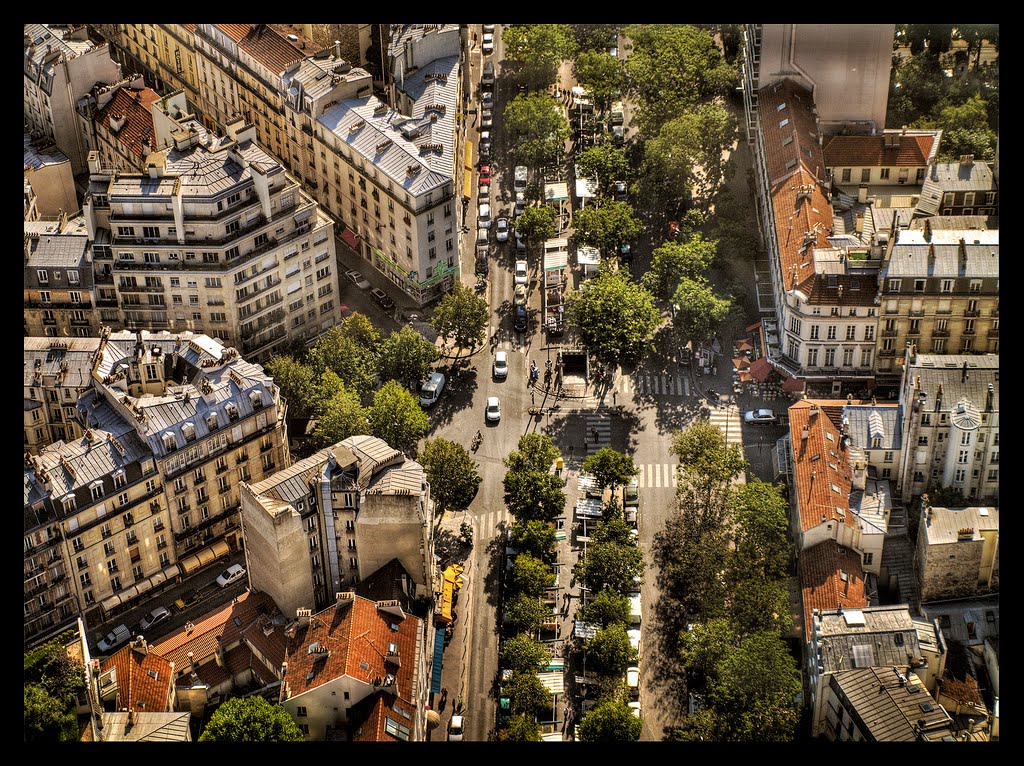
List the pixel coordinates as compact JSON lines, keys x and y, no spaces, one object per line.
{"x":232,"y":410}
{"x":68,"y":502}
{"x":256,"y":398}
{"x":189,"y":431}
{"x":170,"y":443}
{"x":211,"y":421}
{"x":96,"y":489}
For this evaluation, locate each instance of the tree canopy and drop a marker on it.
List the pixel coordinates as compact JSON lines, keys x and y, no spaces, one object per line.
{"x":461,"y":317}
{"x":606,"y":227}
{"x":537,"y":50}
{"x":698,"y":311}
{"x":530,"y":575}
{"x":614,"y":317}
{"x":610,"y":564}
{"x":607,"y":607}
{"x":453,"y":475}
{"x":608,"y":651}
{"x":524,"y":655}
{"x":251,"y":719}
{"x":532,"y":536}
{"x":534,"y":495}
{"x":396,"y":417}
{"x":610,"y":721}
{"x":340,"y":416}
{"x":672,"y":262}
{"x":406,"y":356}
{"x":534,"y":452}
{"x":609,"y":467}
{"x":296,"y":381}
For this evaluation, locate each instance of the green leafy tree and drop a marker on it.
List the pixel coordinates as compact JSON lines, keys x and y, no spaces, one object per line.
{"x":609,"y":467}
{"x":396,"y":417}
{"x":761,"y":538}
{"x":453,"y":475}
{"x":531,"y":576}
{"x":605,"y":163}
{"x":296,"y":381}
{"x":527,"y":694}
{"x":610,"y":721}
{"x":609,"y":652}
{"x":349,"y":350}
{"x":535,"y":119}
{"x":534,"y":495}
{"x":50,"y":666}
{"x":537,"y":224}
{"x":692,"y":551}
{"x":703,"y":647}
{"x":610,"y":565}
{"x":965,"y":130}
{"x":674,"y":261}
{"x":614,"y":530}
{"x":534,"y":537}
{"x":47,"y":718}
{"x":524,"y":655}
{"x":534,"y":452}
{"x":759,"y":605}
{"x":461,"y":317}
{"x":698,"y":311}
{"x":521,"y":728}
{"x":606,"y":227}
{"x":525,"y":613}
{"x":340,"y":417}
{"x":595,"y":37}
{"x":705,"y":457}
{"x":608,"y":607}
{"x":602,"y":74}
{"x":251,"y":719}
{"x":406,"y":356}
{"x":537,"y":50}
{"x":615,"y":318}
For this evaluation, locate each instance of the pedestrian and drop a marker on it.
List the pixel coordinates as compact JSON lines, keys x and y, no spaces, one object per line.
{"x":533,"y":395}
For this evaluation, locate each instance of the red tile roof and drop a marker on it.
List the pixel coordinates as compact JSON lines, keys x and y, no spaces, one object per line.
{"x":830,"y":576}
{"x":803,"y":213}
{"x":134,"y":105}
{"x":144,"y":679}
{"x":820,"y":467}
{"x":870,"y":151}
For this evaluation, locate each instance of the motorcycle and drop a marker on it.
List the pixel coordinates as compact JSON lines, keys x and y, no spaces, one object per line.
{"x":477,"y":441}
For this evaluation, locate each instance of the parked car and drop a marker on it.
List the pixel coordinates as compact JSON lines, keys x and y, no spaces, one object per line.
{"x":631,"y":494}
{"x":114,"y":639}
{"x":520,"y":242}
{"x":456,"y":727}
{"x":486,"y":119}
{"x":488,"y":44}
{"x":481,"y":239}
{"x":430,"y":391}
{"x":519,"y":296}
{"x":618,"y":136}
{"x":483,"y":194}
{"x":487,"y":100}
{"x":381,"y":299}
{"x":759,"y":416}
{"x":357,"y":279}
{"x":519,"y":318}
{"x":493,"y":411}
{"x":500,"y":367}
{"x":634,"y":708}
{"x":232,"y":574}
{"x":521,"y":275}
{"x":619,"y":191}
{"x":485,"y":174}
{"x":633,"y":680}
{"x":345,"y":311}
{"x":502,"y":224}
{"x":520,"y":207}
{"x":483,"y":216}
{"x":154,"y":617}
{"x":488,"y":28}
{"x":188,"y":598}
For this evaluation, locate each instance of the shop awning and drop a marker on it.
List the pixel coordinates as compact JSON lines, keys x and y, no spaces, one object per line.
{"x":760,"y":369}
{"x":553,"y":682}
{"x":451,"y":582}
{"x":435,"y":676}
{"x":467,"y":183}
{"x":204,"y":556}
{"x":349,"y":238}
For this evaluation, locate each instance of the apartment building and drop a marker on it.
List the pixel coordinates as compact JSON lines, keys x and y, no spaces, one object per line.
{"x":951,"y":425}
{"x":50,"y":184}
{"x":893,"y":161}
{"x":846,"y":66}
{"x":61,"y":65}
{"x":957,"y":553}
{"x":393,"y":184}
{"x":214,"y":236}
{"x":118,"y":124}
{"x":57,"y":372}
{"x":329,"y":521}
{"x":824,"y":286}
{"x":58,"y":286}
{"x":170,"y":426}
{"x":965,"y":187}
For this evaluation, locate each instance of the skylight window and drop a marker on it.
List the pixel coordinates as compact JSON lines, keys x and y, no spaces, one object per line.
{"x":780,"y":107}
{"x":784,"y":122}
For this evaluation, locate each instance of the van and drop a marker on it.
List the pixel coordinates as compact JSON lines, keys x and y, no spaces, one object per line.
{"x":488,"y":77}
{"x":631,"y":494}
{"x":114,"y":639}
{"x":520,"y":177}
{"x":430,"y":392}
{"x":617,"y":114}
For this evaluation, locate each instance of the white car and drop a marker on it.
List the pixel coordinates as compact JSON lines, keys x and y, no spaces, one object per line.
{"x":114,"y":639}
{"x":502,"y":225}
{"x":633,"y":680}
{"x":519,"y":297}
{"x":154,"y":617}
{"x":455,"y":729}
{"x":522,"y":277}
{"x":520,"y":241}
{"x":483,"y":218}
{"x":488,"y":44}
{"x":487,"y":100}
{"x":634,"y":708}
{"x":493,"y":411}
{"x":759,"y":416}
{"x":500,"y":368}
{"x":357,"y":279}
{"x":233,"y":573}
{"x":486,"y":119}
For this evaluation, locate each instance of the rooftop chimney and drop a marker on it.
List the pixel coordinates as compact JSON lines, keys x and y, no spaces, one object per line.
{"x":963,"y":373}
{"x":991,"y":396}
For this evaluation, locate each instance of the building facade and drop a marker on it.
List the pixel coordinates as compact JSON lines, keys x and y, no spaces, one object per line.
{"x":951,"y":425}
{"x":58,"y":286}
{"x":57,"y":373}
{"x":48,"y":175}
{"x":331,"y":520}
{"x":170,"y":426}
{"x":957,"y":553}
{"x":217,"y":237}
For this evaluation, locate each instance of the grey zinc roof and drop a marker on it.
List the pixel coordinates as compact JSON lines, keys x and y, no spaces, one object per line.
{"x":78,"y":356}
{"x":58,"y":250}
{"x":872,"y":505}
{"x":947,"y":370}
{"x":42,"y":155}
{"x":911,"y":254}
{"x":953,"y":176}
{"x":871,"y":636}
{"x":394,"y":142}
{"x":43,"y":37}
{"x":865,"y":421}
{"x":292,"y":483}
{"x":946,"y":523}
{"x":888,"y":710}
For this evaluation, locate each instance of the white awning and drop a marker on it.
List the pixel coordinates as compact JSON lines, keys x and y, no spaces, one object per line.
{"x":554,"y":192}
{"x":553,"y":682}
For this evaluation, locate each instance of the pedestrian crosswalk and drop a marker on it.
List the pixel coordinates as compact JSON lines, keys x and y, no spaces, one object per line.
{"x":727,"y":419}
{"x":599,"y":431}
{"x":666,"y":384}
{"x":657,"y":475}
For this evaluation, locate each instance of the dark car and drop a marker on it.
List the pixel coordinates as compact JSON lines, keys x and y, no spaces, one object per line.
{"x":381,"y":299}
{"x":189,"y":598}
{"x":519,"y":318}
